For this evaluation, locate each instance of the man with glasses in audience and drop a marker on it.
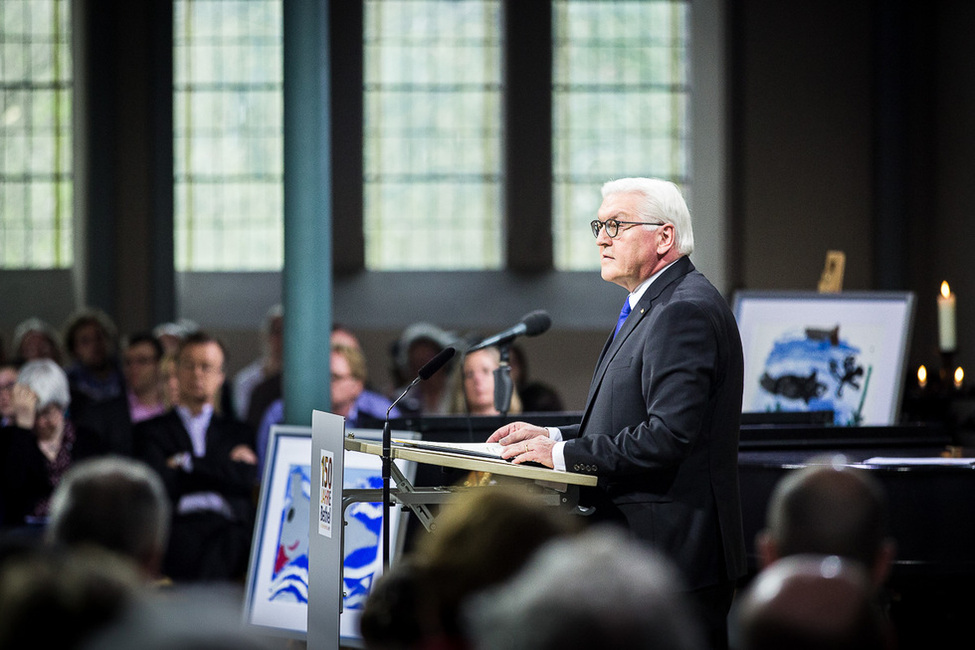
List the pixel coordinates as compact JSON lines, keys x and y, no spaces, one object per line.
{"x":143,"y":397}
{"x":207,"y":462}
{"x":351,"y":399}
{"x":660,"y":425}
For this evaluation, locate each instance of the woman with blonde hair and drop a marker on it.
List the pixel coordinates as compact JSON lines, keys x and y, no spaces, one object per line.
{"x":474,"y":388}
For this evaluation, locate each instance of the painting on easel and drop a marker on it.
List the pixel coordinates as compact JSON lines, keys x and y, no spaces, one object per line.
{"x":840,"y":352}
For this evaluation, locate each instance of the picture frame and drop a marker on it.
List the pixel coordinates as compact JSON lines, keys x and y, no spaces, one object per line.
{"x":276,"y":591}
{"x":844,"y":352}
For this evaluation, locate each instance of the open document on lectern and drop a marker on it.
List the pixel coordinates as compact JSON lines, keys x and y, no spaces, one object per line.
{"x":477,"y":449}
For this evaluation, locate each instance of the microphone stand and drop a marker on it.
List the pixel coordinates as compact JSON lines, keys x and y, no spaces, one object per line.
{"x":503,"y":386}
{"x":387,"y":472}
{"x":428,"y":369}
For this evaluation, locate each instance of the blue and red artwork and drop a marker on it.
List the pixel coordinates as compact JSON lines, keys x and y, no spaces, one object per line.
{"x":363,"y":561}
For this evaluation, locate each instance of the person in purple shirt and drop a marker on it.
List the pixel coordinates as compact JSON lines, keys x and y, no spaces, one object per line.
{"x":350,"y":397}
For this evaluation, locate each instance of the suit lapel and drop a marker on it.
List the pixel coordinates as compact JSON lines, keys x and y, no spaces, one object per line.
{"x":181,"y":436}
{"x":678,"y":269}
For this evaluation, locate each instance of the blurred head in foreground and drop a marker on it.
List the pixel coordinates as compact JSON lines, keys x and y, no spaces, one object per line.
{"x":807,"y":602}
{"x":601,"y":589}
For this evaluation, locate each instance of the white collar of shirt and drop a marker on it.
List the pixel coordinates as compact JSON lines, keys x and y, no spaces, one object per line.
{"x":634,"y":297}
{"x":196,"y":426}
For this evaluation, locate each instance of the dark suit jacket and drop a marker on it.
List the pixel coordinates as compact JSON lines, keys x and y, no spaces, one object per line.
{"x":24,"y":480}
{"x":113,"y":422}
{"x":660,"y":427}
{"x":164,"y":436}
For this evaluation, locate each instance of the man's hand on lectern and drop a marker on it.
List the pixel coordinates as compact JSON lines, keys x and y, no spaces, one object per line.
{"x":524,"y":443}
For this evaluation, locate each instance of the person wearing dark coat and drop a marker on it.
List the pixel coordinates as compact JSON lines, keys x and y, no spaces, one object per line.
{"x":208,"y":465}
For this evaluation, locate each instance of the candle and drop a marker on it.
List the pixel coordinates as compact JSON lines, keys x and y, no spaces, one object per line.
{"x":922,"y":377}
{"x":959,"y":376}
{"x":946,"y":319}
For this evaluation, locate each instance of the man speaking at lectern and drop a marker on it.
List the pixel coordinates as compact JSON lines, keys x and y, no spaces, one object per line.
{"x":660,"y":425}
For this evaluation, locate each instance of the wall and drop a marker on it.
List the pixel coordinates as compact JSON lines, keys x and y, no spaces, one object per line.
{"x":804,"y":142}
{"x":853,"y":129}
{"x":945,"y":225}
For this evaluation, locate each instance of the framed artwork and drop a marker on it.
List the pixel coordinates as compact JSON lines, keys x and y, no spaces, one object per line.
{"x":276,"y":597}
{"x":807,"y":351}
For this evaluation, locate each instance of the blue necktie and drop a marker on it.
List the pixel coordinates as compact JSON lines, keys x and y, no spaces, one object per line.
{"x":623,"y":314}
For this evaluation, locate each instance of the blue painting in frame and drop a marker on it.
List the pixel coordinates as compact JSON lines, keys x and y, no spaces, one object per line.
{"x":276,"y":597}
{"x":807,"y":351}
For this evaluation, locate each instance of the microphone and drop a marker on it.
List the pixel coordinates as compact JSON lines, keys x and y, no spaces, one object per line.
{"x":431,"y":367}
{"x":531,"y":324}
{"x":428,"y":370}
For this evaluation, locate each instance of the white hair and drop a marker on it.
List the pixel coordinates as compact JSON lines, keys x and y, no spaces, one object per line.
{"x":662,"y":201}
{"x":48,"y":381}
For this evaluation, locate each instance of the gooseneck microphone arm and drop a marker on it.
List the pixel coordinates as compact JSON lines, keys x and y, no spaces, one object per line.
{"x":429,"y":369}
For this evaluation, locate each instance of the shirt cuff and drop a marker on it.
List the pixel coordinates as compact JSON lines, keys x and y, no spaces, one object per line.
{"x":554,"y":433}
{"x":558,"y":456}
{"x":185,"y":461}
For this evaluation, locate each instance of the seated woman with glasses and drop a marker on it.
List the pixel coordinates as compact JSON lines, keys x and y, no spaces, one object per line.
{"x":41,"y":445}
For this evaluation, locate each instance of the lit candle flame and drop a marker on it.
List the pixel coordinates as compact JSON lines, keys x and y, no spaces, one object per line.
{"x":945,"y":289}
{"x":959,"y":376}
{"x":922,"y":376}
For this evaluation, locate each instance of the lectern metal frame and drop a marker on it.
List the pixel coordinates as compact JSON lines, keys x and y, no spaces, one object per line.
{"x":325,"y":562}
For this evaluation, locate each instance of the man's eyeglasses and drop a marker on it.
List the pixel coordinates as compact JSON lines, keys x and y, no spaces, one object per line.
{"x":205,"y":368}
{"x":613,"y":226}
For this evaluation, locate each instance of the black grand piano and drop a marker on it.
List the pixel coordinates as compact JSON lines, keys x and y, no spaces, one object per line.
{"x":932,"y":504}
{"x":932,"y":511}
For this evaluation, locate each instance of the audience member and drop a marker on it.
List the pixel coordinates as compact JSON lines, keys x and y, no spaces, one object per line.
{"x":399,"y":613}
{"x":601,"y":589}
{"x":140,"y":362}
{"x":343,"y":335}
{"x":267,"y":365}
{"x":8,"y":377}
{"x":143,"y":397}
{"x":483,"y":537}
{"x":829,"y":508}
{"x":168,"y":380}
{"x":350,"y":398}
{"x":535,"y":396}
{"x":59,"y":599}
{"x":93,"y":375}
{"x":207,"y":463}
{"x":262,"y":397}
{"x":474,"y":392}
{"x":43,"y":444}
{"x":171,"y":335}
{"x":115,"y":503}
{"x":418,"y":344}
{"x":810,"y":602}
{"x":36,"y":339}
{"x":197,"y":617}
